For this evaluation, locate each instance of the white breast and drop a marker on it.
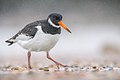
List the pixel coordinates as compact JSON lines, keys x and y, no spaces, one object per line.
{"x":41,"y":41}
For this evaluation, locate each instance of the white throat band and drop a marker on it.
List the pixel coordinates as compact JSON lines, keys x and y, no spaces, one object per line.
{"x":51,"y":23}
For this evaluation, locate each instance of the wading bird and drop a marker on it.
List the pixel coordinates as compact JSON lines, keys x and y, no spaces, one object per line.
{"x":40,"y":35}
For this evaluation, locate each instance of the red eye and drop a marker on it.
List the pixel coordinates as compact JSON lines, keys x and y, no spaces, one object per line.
{"x":54,"y":18}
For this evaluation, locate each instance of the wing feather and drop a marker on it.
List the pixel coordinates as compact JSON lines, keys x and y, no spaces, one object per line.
{"x":29,"y":31}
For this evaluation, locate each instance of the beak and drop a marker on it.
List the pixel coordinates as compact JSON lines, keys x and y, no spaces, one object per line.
{"x":63,"y":26}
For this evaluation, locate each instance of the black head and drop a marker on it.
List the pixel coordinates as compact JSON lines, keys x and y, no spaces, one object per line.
{"x":55,"y":18}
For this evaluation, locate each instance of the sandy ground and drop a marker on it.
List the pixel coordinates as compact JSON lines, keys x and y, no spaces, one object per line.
{"x":81,"y":71}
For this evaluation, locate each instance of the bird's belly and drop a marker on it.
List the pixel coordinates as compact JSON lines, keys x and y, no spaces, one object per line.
{"x":43,"y":42}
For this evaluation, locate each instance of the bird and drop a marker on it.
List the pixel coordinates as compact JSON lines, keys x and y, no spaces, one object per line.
{"x":41,"y":35}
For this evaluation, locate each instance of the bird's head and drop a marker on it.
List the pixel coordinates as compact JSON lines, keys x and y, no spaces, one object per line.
{"x":55,"y":20}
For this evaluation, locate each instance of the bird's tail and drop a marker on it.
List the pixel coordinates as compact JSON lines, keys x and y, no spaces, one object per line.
{"x":10,"y":41}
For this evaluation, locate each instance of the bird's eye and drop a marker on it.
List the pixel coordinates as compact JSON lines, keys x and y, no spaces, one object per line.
{"x":55,"y":18}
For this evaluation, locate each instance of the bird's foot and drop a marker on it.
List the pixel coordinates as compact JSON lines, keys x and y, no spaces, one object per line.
{"x":29,"y":67}
{"x":59,"y":64}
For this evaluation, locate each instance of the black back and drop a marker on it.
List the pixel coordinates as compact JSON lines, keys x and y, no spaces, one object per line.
{"x":30,"y":30}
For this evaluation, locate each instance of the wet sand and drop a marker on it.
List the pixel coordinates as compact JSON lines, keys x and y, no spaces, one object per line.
{"x":73,"y":72}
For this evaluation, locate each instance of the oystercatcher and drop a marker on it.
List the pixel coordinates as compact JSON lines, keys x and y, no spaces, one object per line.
{"x":40,"y":35}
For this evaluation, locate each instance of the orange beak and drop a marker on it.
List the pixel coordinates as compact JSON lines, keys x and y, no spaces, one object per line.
{"x":63,"y":26}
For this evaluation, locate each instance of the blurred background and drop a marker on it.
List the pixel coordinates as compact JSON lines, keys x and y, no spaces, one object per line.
{"x":95,"y":26}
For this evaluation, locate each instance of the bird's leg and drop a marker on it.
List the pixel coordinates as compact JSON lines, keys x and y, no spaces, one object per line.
{"x":57,"y":63}
{"x":29,"y":55}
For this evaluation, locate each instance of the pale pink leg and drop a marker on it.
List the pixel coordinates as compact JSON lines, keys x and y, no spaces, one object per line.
{"x":29,"y":55}
{"x":57,"y":63}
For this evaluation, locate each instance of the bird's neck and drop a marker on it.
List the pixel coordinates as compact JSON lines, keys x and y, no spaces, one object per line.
{"x":49,"y":29}
{"x":52,"y":24}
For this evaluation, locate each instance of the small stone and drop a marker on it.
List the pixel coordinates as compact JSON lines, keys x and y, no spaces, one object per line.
{"x":69,"y":69}
{"x":15,"y":68}
{"x":46,"y":68}
{"x":94,"y":67}
{"x":8,"y":66}
{"x":40,"y":68}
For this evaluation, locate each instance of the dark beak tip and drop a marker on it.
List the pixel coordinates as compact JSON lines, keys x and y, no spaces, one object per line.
{"x":69,"y":31}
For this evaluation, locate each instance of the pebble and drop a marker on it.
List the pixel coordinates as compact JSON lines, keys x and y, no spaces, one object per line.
{"x":44,"y":69}
{"x":72,"y":68}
